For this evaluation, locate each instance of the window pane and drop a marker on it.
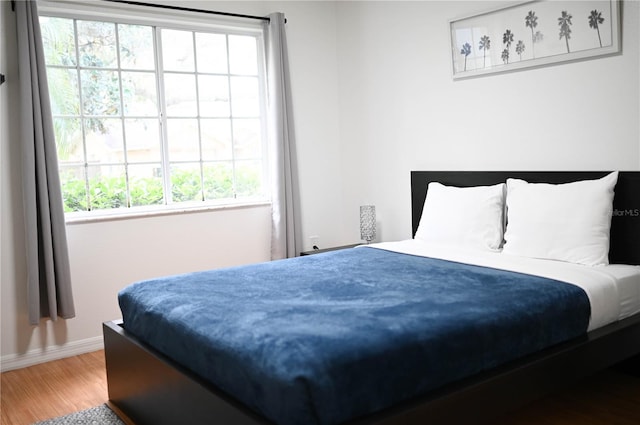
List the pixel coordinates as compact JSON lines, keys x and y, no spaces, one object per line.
{"x":242,"y":55}
{"x":247,"y":142}
{"x":74,"y":189}
{"x":177,"y":50}
{"x":145,"y":183}
{"x":218,"y":181}
{"x":58,"y":41}
{"x":180,"y":94}
{"x":183,"y":140}
{"x":100,"y":92}
{"x":211,"y":53}
{"x":185,"y":182}
{"x":248,"y":178}
{"x":104,"y":140}
{"x":245,"y":101}
{"x":63,"y":91}
{"x":216,"y":139}
{"x":136,"y":47}
{"x":97,"y":44}
{"x":68,"y":133}
{"x":107,"y":187}
{"x":213,"y":96}
{"x":105,"y":80}
{"x":143,"y":140}
{"x":139,"y":94}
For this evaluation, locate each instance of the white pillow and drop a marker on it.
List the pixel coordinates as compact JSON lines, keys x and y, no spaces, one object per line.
{"x":467,"y":217}
{"x":567,"y":222}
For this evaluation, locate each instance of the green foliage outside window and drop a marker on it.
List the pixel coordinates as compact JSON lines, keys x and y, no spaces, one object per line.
{"x":110,"y":192}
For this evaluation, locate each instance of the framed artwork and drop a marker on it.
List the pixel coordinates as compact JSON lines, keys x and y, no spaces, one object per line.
{"x":532,"y":34}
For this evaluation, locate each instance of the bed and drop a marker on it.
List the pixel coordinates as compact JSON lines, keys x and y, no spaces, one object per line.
{"x":150,"y":382}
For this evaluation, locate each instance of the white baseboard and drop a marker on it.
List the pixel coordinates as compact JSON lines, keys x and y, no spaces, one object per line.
{"x":55,"y":352}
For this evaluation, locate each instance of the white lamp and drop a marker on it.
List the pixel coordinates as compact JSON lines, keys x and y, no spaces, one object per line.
{"x":368,"y":222}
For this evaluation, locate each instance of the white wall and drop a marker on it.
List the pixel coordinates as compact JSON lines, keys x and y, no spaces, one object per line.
{"x":401,"y":111}
{"x":373,"y":99}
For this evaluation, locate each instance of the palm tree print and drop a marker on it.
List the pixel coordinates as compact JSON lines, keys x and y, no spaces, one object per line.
{"x":485,"y":44}
{"x":505,"y":56}
{"x":595,"y":19}
{"x":564,"y":22}
{"x":520,"y":48}
{"x":507,"y":39}
{"x":466,"y":51}
{"x":531,"y":21}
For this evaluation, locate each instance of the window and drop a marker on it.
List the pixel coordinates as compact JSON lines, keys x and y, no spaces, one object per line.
{"x":149,"y":115}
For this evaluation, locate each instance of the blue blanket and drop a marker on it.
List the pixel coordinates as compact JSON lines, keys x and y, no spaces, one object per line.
{"x":329,"y":337}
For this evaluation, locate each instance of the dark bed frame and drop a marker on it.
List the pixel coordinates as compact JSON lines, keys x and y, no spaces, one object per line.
{"x":146,"y":387}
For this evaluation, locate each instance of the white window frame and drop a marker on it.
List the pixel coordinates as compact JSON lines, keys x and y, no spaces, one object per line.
{"x":179,"y":20}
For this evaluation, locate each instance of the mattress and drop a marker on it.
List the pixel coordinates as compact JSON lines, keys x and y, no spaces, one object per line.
{"x":326,"y":338}
{"x":613,"y":290}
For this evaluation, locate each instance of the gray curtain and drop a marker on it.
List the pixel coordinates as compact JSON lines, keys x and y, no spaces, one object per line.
{"x":48,"y":281}
{"x":285,"y":236}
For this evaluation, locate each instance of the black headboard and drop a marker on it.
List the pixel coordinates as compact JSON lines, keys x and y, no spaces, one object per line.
{"x":625,"y":223}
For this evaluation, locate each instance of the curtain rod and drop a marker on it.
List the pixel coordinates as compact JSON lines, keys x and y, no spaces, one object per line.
{"x":188,"y":9}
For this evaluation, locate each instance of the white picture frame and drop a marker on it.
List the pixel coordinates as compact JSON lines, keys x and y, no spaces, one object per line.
{"x":532,"y":34}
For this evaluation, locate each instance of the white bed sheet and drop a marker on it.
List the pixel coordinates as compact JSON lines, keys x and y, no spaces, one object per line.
{"x":613,"y":290}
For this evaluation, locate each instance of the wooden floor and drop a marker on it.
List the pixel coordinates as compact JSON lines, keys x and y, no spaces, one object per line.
{"x":53,"y":389}
{"x":76,"y":383}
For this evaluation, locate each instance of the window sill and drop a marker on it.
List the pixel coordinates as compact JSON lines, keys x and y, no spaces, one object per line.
{"x":100,"y":216}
